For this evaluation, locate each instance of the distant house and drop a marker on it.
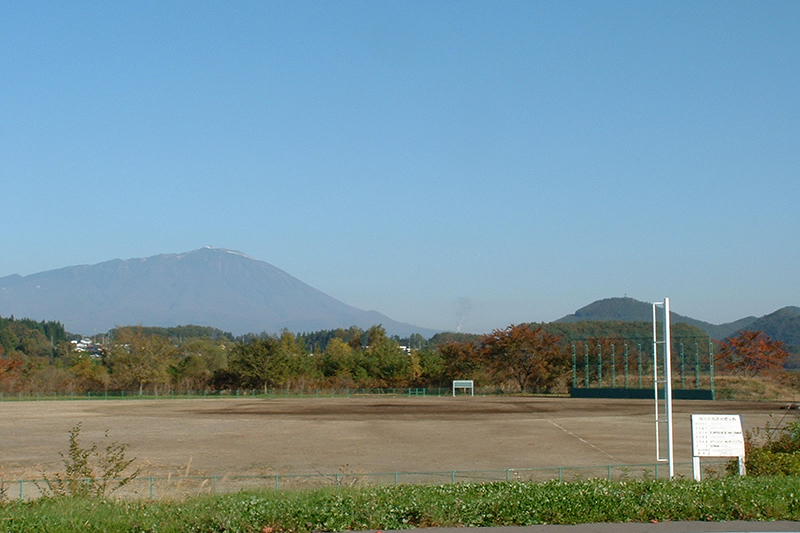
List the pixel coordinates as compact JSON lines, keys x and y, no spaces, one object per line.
{"x":84,"y":345}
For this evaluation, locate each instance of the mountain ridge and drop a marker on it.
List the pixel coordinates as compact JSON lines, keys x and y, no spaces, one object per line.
{"x":783,"y":324}
{"x":215,"y":287}
{"x":231,"y":291}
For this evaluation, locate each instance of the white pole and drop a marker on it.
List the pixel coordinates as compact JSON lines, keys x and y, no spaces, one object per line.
{"x":668,"y":388}
{"x":655,"y":379}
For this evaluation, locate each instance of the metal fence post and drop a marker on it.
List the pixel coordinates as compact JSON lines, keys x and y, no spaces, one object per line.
{"x":711,"y":365}
{"x":599,"y":367}
{"x":574,"y":369}
{"x":640,"y":364}
{"x":683,"y":368}
{"x":696,"y":366}
{"x":586,"y":363}
{"x":613,"y":367}
{"x":626,"y":365}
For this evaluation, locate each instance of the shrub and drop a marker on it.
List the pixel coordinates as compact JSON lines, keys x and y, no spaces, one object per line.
{"x":772,"y":452}
{"x":90,"y":471}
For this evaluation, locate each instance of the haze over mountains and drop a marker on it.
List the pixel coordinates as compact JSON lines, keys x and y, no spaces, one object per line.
{"x":230,"y":291}
{"x":221,"y":288}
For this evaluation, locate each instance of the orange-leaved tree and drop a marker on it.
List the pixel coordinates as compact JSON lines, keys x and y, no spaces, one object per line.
{"x":10,"y":372}
{"x":461,"y":359}
{"x":750,"y":353}
{"x":529,"y":355}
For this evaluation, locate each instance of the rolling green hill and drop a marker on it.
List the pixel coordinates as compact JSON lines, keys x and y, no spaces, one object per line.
{"x":632,"y":310}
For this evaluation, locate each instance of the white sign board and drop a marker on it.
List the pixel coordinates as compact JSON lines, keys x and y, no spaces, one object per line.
{"x":463,"y":384}
{"x":717,"y":436}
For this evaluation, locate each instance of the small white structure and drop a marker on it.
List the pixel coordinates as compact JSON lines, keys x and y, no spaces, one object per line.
{"x":83,"y":345}
{"x":463,"y":384}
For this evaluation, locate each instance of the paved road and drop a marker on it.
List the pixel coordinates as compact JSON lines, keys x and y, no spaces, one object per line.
{"x":660,"y":527}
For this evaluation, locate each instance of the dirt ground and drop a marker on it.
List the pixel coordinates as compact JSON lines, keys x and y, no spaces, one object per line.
{"x":358,"y":434}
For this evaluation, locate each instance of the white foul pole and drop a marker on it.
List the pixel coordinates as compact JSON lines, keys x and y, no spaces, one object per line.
{"x":667,"y":384}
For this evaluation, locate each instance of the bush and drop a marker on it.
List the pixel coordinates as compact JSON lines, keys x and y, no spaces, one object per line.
{"x":90,"y":472}
{"x":772,"y":452}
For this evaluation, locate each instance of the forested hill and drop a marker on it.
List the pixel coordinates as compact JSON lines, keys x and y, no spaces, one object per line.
{"x":631,"y":310}
{"x":178,"y":333}
{"x":30,"y":337}
{"x":622,"y":330}
{"x":783,"y":325}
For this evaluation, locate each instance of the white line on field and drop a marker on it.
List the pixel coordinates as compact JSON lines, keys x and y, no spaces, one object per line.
{"x":565,"y":430}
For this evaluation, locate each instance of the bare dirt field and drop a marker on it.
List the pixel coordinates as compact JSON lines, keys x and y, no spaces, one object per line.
{"x":358,"y":434}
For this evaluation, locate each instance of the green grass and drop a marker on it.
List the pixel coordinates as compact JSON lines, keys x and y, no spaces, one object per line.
{"x":407,"y":506}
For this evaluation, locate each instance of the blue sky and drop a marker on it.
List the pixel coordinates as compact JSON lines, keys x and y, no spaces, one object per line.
{"x":444,"y":163}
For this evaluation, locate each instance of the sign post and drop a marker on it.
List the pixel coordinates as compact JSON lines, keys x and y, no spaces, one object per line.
{"x":717,"y":436}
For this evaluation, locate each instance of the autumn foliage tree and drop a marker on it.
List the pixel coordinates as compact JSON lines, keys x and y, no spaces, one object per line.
{"x":461,"y":359}
{"x":750,"y":353}
{"x":136,"y":359}
{"x":10,"y":372}
{"x":530,"y":356}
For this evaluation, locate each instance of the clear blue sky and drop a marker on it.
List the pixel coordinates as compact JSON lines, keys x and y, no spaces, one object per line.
{"x":490,"y":162}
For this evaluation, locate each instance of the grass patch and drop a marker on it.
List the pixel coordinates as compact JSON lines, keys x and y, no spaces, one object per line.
{"x":755,"y":389}
{"x":407,"y":506}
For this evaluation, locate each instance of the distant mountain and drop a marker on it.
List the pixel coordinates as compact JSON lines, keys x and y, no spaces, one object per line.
{"x":631,"y":310}
{"x":783,"y":325}
{"x":221,"y":288}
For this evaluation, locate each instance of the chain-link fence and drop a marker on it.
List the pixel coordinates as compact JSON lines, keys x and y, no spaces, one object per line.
{"x":170,"y":394}
{"x":179,"y":487}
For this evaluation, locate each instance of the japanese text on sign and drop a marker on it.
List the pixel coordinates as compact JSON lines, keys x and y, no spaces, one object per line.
{"x":717,"y":436}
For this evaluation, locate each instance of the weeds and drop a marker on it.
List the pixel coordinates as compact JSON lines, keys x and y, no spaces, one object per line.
{"x":94,"y":471}
{"x":775,"y":451}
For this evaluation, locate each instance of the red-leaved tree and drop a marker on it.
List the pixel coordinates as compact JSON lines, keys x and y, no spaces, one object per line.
{"x":530,"y":356}
{"x":10,"y":373}
{"x":749,"y":353}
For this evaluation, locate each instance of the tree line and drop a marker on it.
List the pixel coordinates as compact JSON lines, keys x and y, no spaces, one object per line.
{"x":39,"y":357}
{"x":159,"y":359}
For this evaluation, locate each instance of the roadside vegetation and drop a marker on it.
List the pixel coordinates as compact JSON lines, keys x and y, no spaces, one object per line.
{"x":772,"y":451}
{"x":400,"y":507}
